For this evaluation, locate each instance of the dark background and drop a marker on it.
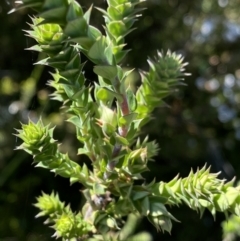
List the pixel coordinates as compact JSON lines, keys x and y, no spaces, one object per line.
{"x":200,"y":123}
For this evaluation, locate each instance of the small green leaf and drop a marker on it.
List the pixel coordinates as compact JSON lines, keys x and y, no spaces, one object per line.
{"x":84,"y":170}
{"x":76,"y":28}
{"x":103,"y":95}
{"x":127,"y":119}
{"x":108,"y":128}
{"x":76,"y":121}
{"x":119,"y":56}
{"x":87,"y":14}
{"x":145,"y":206}
{"x":71,"y":73}
{"x":139,"y":194}
{"x":109,"y":55}
{"x":107,"y":72}
{"x":131,"y":99}
{"x":111,"y":223}
{"x":82,"y":151}
{"x":98,"y":189}
{"x":125,"y":9}
{"x":132,"y":131}
{"x":116,"y":28}
{"x":84,"y":42}
{"x":35,"y":48}
{"x":114,"y":3}
{"x":126,"y":74}
{"x":55,"y":15}
{"x":74,"y":11}
{"x":121,"y":140}
{"x":96,"y":52}
{"x":108,"y":116}
{"x":94,"y":33}
{"x":114,"y":14}
{"x":106,"y":94}
{"x":221,"y":202}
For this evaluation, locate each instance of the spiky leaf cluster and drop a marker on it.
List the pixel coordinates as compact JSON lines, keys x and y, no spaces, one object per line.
{"x":55,"y":34}
{"x":165,"y":73}
{"x":36,"y":138}
{"x":70,"y":16}
{"x":119,"y":18}
{"x":66,"y":223}
{"x":39,"y":142}
{"x":201,"y":190}
{"x":49,"y":206}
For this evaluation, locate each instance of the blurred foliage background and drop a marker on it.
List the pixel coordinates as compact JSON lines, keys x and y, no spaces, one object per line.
{"x":200,"y":123}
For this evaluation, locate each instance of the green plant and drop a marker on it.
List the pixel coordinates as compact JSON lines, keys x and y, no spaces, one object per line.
{"x":231,"y":228}
{"x":108,"y":116}
{"x":231,"y":231}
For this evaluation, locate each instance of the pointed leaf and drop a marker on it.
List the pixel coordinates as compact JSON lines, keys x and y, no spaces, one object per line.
{"x":107,"y":72}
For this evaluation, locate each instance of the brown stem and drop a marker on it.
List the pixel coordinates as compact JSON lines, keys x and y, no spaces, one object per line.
{"x":123,"y":130}
{"x":124,"y":106}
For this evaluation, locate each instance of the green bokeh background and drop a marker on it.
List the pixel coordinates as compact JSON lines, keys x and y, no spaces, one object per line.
{"x":199,"y":124}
